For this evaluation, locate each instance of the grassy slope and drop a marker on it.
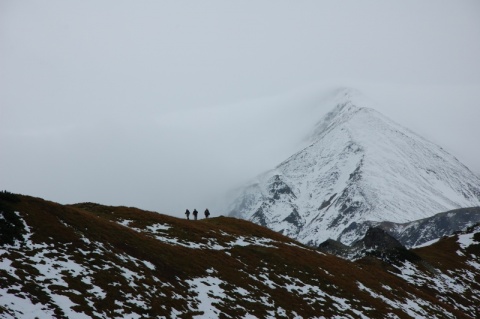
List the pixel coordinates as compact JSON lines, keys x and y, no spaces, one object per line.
{"x":77,"y":232}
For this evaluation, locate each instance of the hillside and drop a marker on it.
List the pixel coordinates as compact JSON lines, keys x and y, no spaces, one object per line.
{"x":93,"y":261}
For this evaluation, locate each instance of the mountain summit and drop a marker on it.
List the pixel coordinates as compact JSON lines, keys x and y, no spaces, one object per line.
{"x":360,"y":166}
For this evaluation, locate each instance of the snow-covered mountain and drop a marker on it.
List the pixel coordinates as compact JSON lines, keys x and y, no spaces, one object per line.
{"x":360,"y":166}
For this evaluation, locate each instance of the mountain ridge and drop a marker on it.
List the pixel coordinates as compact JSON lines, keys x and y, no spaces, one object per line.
{"x":422,"y":231}
{"x":360,"y":166}
{"x":93,"y":261}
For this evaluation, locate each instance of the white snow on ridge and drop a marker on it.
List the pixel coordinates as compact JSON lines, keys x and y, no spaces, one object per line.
{"x":214,"y":245}
{"x":247,"y":241}
{"x":124,"y":222}
{"x":466,"y":240}
{"x":426,"y":244}
{"x":159,"y":232}
{"x":156,"y":227}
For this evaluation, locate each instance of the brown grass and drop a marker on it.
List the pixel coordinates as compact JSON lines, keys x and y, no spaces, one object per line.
{"x":65,"y":226}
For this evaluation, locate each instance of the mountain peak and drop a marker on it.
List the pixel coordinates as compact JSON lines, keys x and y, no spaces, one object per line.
{"x":347,"y":103}
{"x":360,"y":166}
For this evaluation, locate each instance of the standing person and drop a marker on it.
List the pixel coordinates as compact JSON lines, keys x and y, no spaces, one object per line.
{"x":188,"y":214}
{"x":195,"y":213}
{"x":207,"y":213}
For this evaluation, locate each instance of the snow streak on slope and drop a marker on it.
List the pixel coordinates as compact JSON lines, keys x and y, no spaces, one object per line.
{"x":360,"y":166}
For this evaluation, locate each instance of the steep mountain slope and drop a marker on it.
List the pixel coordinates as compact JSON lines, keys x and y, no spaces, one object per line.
{"x":360,"y":167}
{"x":419,"y":232}
{"x":94,"y":261}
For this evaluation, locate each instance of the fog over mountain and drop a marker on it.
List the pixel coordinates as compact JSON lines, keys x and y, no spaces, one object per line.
{"x":166,"y":106}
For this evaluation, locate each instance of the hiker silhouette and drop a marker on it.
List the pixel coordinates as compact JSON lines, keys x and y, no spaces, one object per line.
{"x":195,"y":213}
{"x":188,"y":214}
{"x":207,"y":213}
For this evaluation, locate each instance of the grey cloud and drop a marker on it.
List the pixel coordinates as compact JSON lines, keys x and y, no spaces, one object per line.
{"x":166,"y":105}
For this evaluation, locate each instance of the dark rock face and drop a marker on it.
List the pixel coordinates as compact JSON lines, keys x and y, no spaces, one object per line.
{"x":377,"y":238}
{"x":328,"y":202}
{"x":334,"y":247}
{"x":11,"y":227}
{"x":294,"y":218}
{"x":376,"y":243}
{"x":259,"y":217}
{"x":278,"y":188}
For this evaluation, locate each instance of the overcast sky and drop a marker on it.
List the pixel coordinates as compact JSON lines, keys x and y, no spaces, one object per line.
{"x":165,"y":105}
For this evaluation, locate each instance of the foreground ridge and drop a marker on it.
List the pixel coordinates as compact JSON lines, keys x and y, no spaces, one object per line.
{"x":93,"y":261}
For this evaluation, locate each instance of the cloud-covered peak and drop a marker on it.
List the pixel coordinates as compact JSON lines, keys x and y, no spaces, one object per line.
{"x":360,"y":166}
{"x":346,"y":102}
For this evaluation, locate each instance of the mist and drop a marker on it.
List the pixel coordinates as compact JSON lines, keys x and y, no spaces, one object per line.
{"x":167,"y":105}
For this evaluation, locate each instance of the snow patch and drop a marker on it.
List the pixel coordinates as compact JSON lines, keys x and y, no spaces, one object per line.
{"x":206,"y":290}
{"x":466,"y":240}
